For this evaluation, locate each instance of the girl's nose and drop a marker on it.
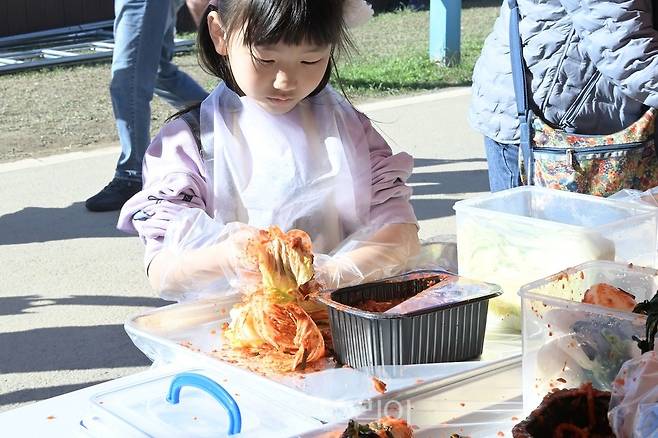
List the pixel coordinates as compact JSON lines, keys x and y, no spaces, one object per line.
{"x":284,"y":81}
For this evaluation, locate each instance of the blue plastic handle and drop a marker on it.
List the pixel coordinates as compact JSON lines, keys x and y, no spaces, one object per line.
{"x":214,"y":389}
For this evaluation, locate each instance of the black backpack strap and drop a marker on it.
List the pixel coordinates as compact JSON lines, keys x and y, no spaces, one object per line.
{"x":192,"y":118}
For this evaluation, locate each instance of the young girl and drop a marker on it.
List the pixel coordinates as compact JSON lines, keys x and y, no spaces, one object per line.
{"x":275,"y":145}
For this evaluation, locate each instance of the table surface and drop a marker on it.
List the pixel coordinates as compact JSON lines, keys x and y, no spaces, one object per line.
{"x":61,"y":416}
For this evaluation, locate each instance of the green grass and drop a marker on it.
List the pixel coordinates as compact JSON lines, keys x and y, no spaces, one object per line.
{"x":393,"y":54}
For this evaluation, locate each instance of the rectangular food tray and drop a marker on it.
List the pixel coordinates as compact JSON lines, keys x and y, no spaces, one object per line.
{"x":449,"y":331}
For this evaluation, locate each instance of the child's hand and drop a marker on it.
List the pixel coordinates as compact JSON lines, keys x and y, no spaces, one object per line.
{"x":237,"y":265}
{"x":337,"y":271}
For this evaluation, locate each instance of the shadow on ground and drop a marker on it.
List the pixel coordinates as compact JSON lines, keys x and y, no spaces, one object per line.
{"x":15,"y":305}
{"x":424,"y":162}
{"x":37,"y":394}
{"x":444,"y":183}
{"x":37,"y":224}
{"x":69,"y":348}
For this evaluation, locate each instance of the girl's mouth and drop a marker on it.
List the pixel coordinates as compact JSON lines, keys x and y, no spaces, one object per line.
{"x":279,"y":100}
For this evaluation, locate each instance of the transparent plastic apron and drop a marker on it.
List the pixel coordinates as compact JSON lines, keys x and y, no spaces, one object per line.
{"x":291,"y":170}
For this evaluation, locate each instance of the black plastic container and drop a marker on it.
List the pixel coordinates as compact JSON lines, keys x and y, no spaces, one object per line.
{"x":447,"y":332}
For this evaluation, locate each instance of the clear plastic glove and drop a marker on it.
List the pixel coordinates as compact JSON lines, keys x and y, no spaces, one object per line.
{"x":201,"y":257}
{"x":368,"y":255}
{"x":337,"y":271}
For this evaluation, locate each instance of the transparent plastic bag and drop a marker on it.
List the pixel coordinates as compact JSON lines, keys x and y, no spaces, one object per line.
{"x":647,"y":197}
{"x":633,"y":409}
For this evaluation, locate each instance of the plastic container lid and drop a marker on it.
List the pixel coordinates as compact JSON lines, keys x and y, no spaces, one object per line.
{"x":462,"y":409}
{"x":208,"y":405}
{"x":544,"y":207}
{"x":189,"y":332}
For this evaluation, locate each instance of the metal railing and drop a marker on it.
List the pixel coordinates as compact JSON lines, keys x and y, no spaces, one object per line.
{"x":67,"y":45}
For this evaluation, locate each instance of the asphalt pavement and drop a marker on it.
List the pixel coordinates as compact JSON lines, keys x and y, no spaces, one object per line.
{"x":69,"y":279}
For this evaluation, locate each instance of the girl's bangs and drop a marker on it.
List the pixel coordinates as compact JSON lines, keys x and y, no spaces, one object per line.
{"x":294,"y":22}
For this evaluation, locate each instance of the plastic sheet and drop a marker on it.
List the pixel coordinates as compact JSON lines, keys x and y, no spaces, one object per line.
{"x":648,"y":197}
{"x":634,"y":403}
{"x":450,"y":292}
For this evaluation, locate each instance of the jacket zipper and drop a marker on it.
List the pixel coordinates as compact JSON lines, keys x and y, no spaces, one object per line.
{"x":558,"y":69}
{"x":572,"y":152}
{"x":580,"y":100}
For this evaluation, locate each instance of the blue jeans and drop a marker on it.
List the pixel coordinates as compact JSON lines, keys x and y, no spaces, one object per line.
{"x":502,"y":160}
{"x":141,"y":65}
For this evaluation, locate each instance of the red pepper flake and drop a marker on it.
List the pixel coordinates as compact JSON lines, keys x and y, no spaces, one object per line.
{"x":380,"y":386}
{"x":50,"y":417}
{"x":561,"y":380}
{"x":515,"y":418}
{"x":564,"y":367}
{"x":620,"y":381}
{"x":213,"y":332}
{"x":500,"y":433}
{"x":582,"y":275}
{"x":415,"y":427}
{"x":224,"y":326}
{"x":419,"y":381}
{"x":462,"y":404}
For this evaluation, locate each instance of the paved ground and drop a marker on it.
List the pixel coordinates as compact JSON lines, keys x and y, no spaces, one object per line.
{"x":69,"y":279}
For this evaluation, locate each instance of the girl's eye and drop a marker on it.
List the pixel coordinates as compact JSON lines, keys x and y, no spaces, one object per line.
{"x":310,"y":62}
{"x":264,"y":61}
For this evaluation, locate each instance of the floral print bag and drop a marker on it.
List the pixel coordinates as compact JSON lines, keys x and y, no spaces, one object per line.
{"x":595,"y":164}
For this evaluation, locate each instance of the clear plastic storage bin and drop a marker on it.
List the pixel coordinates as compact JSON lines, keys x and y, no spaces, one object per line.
{"x":567,"y":342}
{"x":523,"y":234}
{"x":191,"y":402}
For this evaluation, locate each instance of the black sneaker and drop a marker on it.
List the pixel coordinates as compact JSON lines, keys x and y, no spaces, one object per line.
{"x":114,"y":195}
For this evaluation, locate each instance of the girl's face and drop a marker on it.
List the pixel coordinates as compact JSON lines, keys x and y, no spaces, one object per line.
{"x":277,"y":76}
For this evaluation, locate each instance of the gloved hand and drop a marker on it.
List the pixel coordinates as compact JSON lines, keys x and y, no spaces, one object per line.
{"x":202,"y":257}
{"x":368,"y":255}
{"x":336,"y":271}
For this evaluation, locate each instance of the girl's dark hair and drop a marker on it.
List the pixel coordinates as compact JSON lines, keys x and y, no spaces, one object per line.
{"x":266,"y":22}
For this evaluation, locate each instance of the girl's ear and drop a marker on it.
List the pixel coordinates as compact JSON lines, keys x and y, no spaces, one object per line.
{"x":217,"y":33}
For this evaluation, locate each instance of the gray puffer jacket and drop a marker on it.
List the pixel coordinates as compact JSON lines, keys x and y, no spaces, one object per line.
{"x":592,"y":65}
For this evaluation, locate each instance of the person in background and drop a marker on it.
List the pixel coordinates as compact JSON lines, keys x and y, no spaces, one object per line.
{"x":141,"y":65}
{"x":197,"y":8}
{"x":273,"y":144}
{"x":592,"y":66}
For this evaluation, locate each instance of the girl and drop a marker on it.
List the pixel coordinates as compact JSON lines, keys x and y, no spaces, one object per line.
{"x":274,"y":145}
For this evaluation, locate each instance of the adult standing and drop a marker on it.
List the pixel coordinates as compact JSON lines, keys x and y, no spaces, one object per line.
{"x":592,"y":66}
{"x":141,"y":66}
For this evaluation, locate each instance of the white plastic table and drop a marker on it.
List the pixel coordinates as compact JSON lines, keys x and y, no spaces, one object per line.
{"x":58,"y":416}
{"x":481,"y":406}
